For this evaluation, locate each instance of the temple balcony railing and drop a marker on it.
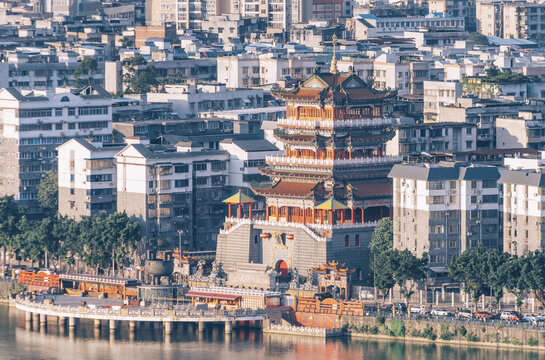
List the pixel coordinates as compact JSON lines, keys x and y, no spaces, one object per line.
{"x":334,"y":124}
{"x":277,"y":159}
{"x":319,"y":232}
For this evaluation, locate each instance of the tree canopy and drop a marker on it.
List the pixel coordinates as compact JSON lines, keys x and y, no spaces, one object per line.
{"x":48,"y":192}
{"x":83,"y":74}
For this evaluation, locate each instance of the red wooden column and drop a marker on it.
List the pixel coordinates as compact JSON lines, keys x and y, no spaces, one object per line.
{"x":331,"y":216}
{"x":304,"y":216}
{"x":239,"y":211}
{"x":266,"y":212}
{"x":277,"y":213}
{"x":229,"y":210}
{"x":362,"y":214}
{"x":342,"y":216}
{"x":352,"y":215}
{"x":250,"y":210}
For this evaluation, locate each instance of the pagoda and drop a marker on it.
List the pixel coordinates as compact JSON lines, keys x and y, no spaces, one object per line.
{"x":329,"y":188}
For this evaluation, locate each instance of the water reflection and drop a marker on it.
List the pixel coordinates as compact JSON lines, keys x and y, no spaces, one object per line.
{"x":20,"y":339}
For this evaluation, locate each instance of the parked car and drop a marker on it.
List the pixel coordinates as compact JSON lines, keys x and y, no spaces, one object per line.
{"x":465,"y":314}
{"x":441,"y":312}
{"x":399,"y":308}
{"x":531,"y":318}
{"x":483,"y":315}
{"x":419,"y":310}
{"x":510,"y":316}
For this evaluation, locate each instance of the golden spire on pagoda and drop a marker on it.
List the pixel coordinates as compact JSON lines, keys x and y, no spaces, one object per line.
{"x":333,"y":68}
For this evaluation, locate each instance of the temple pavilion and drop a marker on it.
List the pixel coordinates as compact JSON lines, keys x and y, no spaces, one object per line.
{"x":330,"y":186}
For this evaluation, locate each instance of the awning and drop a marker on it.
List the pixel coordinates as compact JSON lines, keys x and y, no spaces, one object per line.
{"x":213,"y":296}
{"x":438,"y":269}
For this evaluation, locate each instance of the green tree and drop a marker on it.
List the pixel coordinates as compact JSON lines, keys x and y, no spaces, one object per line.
{"x":409,"y":271}
{"x":479,"y":39}
{"x":48,"y":192}
{"x":103,"y":235}
{"x":83,"y":74}
{"x":39,"y":239}
{"x":470,"y":268}
{"x":382,"y":240}
{"x":10,"y":217}
{"x":516,"y":282}
{"x":497,"y":264}
{"x":533,"y":273}
{"x":387,"y":264}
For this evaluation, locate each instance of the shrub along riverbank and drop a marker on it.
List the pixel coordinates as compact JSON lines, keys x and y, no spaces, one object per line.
{"x":443,"y":333}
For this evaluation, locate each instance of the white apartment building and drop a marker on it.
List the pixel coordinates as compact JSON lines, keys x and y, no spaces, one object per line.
{"x":512,"y":20}
{"x":444,"y":209}
{"x":523,"y":207}
{"x":527,"y":130}
{"x":277,"y":12}
{"x":245,"y":158}
{"x":190,"y":99}
{"x":246,"y":71}
{"x":87,"y":178}
{"x":450,"y":137}
{"x":368,"y":26}
{"x":35,"y":123}
{"x":437,"y":94}
{"x":174,"y":193}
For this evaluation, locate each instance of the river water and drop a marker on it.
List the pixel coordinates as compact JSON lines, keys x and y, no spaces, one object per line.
{"x":149,"y":343}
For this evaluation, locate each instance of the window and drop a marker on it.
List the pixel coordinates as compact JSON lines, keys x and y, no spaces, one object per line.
{"x":200,"y":167}
{"x":474,"y":199}
{"x":93,"y":110}
{"x":357,"y":240}
{"x":489,"y":184}
{"x":71,"y":126}
{"x":347,"y":241}
{"x":435,"y":185}
{"x":469,"y":144}
{"x":469,"y":130}
{"x":490,"y":198}
{"x":99,"y":177}
{"x":72,"y":177}
{"x":473,"y":184}
{"x":178,"y":169}
{"x":58,"y":112}
{"x":453,"y":184}
{"x":181,"y":183}
{"x":93,"y":125}
{"x":72,"y":191}
{"x":33,"y":113}
{"x":58,"y":126}
{"x":201,"y":181}
{"x":71,"y":111}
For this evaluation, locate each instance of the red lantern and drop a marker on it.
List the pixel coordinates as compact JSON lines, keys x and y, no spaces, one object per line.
{"x":290,"y":237}
{"x":264,"y":235}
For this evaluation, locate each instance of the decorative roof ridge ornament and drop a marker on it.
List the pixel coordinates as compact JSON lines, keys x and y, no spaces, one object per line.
{"x":333,"y":68}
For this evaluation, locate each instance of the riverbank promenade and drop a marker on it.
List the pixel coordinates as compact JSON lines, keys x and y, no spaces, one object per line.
{"x":62,"y":308}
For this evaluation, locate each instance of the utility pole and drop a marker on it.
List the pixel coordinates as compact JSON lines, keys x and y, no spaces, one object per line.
{"x":113,"y":261}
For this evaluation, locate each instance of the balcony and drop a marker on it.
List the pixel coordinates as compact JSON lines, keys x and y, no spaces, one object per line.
{"x":284,"y":160}
{"x":329,"y":124}
{"x":319,"y":232}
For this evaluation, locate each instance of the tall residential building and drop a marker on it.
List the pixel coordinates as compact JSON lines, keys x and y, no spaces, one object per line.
{"x":512,"y":19}
{"x":173,"y":192}
{"x":444,"y":209}
{"x":456,"y":8}
{"x":523,"y":206}
{"x":329,"y":187}
{"x":35,"y":123}
{"x":246,"y":71}
{"x":280,"y":14}
{"x":186,"y":14}
{"x":331,"y":10}
{"x":87,"y":178}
